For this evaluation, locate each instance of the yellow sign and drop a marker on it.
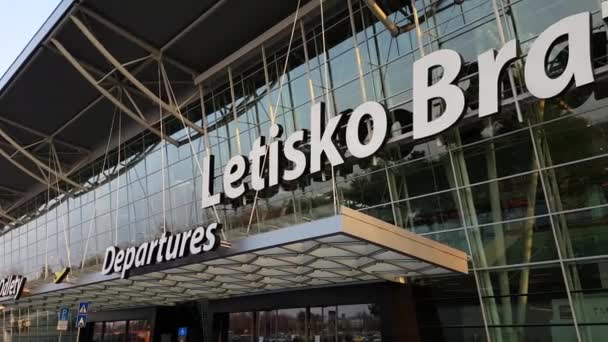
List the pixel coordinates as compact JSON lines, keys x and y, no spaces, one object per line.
{"x":59,"y":277}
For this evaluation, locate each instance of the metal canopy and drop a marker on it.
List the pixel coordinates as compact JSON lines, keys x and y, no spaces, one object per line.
{"x":91,"y":57}
{"x":344,"y":249}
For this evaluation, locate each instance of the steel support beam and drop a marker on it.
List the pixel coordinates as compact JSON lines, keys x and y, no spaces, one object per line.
{"x":395,"y":30}
{"x":108,"y":95}
{"x":36,"y":161}
{"x":11,"y":190}
{"x":44,"y":135}
{"x":92,"y":104}
{"x":5,"y":215}
{"x":28,"y":172}
{"x":192,"y":25}
{"x":378,"y":12}
{"x":270,"y":34}
{"x":99,"y":46}
{"x":134,"y":39}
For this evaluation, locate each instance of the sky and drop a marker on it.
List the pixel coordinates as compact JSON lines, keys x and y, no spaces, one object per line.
{"x":19,"y":22}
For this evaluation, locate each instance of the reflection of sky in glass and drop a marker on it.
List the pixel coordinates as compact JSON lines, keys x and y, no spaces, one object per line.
{"x":347,"y":310}
{"x":19,"y":21}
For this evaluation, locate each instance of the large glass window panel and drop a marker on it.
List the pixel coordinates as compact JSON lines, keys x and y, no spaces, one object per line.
{"x":548,"y":333}
{"x":455,"y":239}
{"x":300,"y":90}
{"x":385,"y":213}
{"x":323,"y":325}
{"x":447,"y":301}
{"x":500,"y":157}
{"x":365,"y":191}
{"x":583,"y":233}
{"x":468,"y":13}
{"x":182,"y":193}
{"x":172,"y":153}
{"x":430,"y":213}
{"x":506,"y":199}
{"x":452,"y":334}
{"x":523,"y":241}
{"x":102,"y":205}
{"x":348,"y":96}
{"x":422,"y":176}
{"x":97,"y":332}
{"x":240,"y":327}
{"x":359,"y":322}
{"x":531,"y":309}
{"x":579,"y":185}
{"x":575,"y":137}
{"x":531,"y":17}
{"x":344,"y":66}
{"x":302,"y":116}
{"x":522,"y":280}
{"x":589,"y":284}
{"x":267,"y":324}
{"x":471,"y":43}
{"x":291,"y":325}
{"x":139,"y":331}
{"x":115,"y":331}
{"x":396,"y":78}
{"x":524,"y":296}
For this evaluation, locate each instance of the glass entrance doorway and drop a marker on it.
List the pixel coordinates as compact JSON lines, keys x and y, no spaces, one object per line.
{"x":282,"y":325}
{"x":345,"y":323}
{"x":122,"y":331}
{"x":337,"y":323}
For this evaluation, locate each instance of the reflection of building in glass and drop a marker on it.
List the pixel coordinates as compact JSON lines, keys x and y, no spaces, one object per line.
{"x":527,"y":201}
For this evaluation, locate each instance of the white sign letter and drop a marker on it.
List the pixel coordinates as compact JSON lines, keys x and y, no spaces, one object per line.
{"x":491,"y":65}
{"x":578,"y":30}
{"x":209,"y":199}
{"x":236,"y":169}
{"x":451,"y":63}
{"x":321,"y":138}
{"x":376,"y":136}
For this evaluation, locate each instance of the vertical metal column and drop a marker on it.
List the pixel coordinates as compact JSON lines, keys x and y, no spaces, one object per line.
{"x":235,"y":116}
{"x":311,"y":88}
{"x":503,"y":40}
{"x":418,"y":29}
{"x":330,"y":112}
{"x":556,"y":238}
{"x":457,"y":187}
{"x":458,"y":183}
{"x":357,"y":52}
{"x":268,"y":88}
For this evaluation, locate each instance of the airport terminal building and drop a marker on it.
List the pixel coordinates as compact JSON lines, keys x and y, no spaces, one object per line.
{"x":307,"y":171}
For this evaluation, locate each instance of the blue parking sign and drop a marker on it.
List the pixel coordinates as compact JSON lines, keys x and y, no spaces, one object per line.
{"x":182,"y":331}
{"x":64,"y":314}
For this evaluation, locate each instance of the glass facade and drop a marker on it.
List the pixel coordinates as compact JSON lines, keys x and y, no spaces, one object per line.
{"x":527,"y":200}
{"x":337,"y":323}
{"x":128,"y":331}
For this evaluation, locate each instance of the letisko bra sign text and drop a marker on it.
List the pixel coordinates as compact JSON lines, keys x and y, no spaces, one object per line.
{"x":283,"y":161}
{"x":166,"y":248}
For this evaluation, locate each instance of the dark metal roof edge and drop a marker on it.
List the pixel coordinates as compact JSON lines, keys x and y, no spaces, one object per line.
{"x":35,"y":43}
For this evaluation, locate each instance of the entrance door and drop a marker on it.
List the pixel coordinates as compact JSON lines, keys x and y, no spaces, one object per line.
{"x":323,"y":326}
{"x":342,"y":323}
{"x":345,"y":323}
{"x":284,"y":325}
{"x":122,"y":331}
